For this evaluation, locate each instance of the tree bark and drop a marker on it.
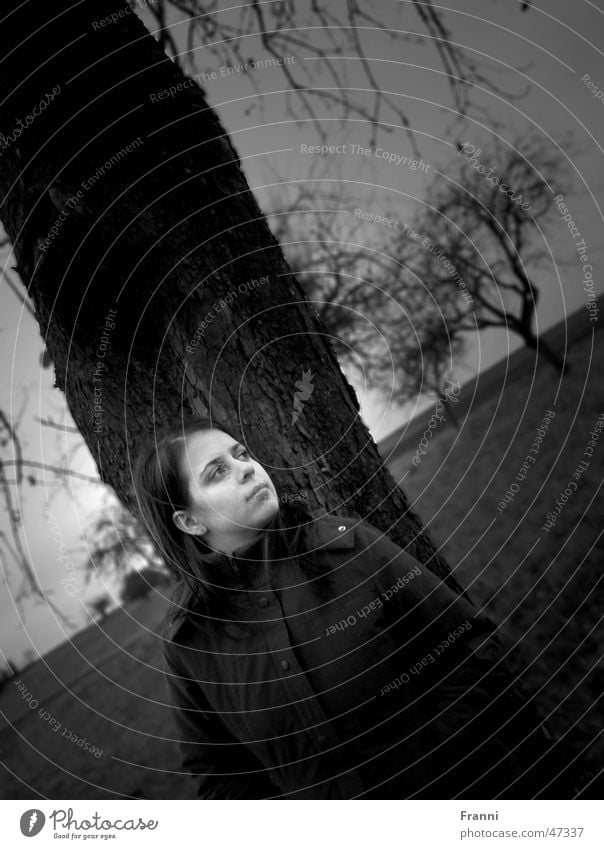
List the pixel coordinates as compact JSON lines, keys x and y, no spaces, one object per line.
{"x":149,"y":238}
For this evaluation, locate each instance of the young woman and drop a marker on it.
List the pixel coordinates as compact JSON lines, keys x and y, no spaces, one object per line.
{"x":309,"y":657}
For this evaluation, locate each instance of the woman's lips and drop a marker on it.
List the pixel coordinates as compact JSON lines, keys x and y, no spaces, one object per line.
{"x":256,"y":489}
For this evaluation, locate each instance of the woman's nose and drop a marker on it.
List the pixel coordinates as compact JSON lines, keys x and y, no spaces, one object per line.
{"x":246,"y":471}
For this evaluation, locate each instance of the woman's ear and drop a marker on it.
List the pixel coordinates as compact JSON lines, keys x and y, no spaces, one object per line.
{"x":187,"y":524}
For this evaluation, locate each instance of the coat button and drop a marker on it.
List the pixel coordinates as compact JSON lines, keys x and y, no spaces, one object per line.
{"x":263,"y":601}
{"x":284,"y":664}
{"x":342,"y":528}
{"x":322,"y":739}
{"x":236,"y":569}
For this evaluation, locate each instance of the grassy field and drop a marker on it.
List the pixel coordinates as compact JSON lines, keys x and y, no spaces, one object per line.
{"x":544,"y":586}
{"x":105,"y":690}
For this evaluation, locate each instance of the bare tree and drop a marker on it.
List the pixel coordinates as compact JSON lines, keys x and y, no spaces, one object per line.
{"x":368,"y":288}
{"x":15,"y":472}
{"x":484,"y":222}
{"x":116,"y":543}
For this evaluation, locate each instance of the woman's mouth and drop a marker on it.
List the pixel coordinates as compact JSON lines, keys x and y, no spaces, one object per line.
{"x":259,"y":488}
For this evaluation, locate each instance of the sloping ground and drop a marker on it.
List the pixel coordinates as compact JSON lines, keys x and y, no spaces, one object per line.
{"x":100,"y":728}
{"x":544,"y":586}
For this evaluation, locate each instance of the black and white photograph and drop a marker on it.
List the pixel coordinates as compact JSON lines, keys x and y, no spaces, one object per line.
{"x":302,"y":420}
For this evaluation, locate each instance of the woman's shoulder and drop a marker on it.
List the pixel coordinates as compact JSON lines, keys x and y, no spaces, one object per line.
{"x":331,"y":530}
{"x":180,"y":615}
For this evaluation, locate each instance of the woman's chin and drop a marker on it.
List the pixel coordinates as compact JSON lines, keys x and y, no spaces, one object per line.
{"x":265,"y":504}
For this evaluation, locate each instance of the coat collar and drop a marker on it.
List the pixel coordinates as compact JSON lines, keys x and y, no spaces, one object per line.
{"x":248,"y":567}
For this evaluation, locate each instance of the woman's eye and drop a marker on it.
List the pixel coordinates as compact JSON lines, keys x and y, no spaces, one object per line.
{"x":219,"y":469}
{"x":244,"y":454}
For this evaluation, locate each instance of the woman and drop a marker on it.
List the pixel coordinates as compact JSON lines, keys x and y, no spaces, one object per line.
{"x":310,"y":657}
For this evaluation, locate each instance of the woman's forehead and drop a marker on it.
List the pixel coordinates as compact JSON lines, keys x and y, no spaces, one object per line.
{"x":204,"y":445}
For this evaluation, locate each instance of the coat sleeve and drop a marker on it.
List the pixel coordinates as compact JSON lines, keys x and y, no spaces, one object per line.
{"x":220,"y":765}
{"x":424,"y":611}
{"x":454,"y":652}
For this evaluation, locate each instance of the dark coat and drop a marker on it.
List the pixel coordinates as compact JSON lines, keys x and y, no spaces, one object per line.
{"x":386,"y":690}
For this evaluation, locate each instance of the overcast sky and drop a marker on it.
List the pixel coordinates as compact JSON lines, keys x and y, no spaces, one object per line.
{"x":555,"y":44}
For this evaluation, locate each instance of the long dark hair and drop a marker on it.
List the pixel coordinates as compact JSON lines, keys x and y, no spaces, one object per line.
{"x":161,"y":488}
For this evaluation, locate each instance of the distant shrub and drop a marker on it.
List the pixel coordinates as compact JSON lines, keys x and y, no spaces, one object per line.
{"x":100,"y":606}
{"x":139,"y":583}
{"x":7,"y":674}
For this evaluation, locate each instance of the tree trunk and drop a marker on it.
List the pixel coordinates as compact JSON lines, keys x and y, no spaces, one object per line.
{"x":132,"y":223}
{"x":546,"y":352}
{"x":451,"y":413}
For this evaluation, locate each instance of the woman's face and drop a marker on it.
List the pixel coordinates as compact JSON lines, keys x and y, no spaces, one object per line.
{"x":231,"y":496}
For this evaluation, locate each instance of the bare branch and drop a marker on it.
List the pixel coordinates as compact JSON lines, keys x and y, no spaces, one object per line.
{"x":55,"y":470}
{"x":51,"y":424}
{"x":321,"y":35}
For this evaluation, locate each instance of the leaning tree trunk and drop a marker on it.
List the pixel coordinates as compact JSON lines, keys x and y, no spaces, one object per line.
{"x":132,"y":223}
